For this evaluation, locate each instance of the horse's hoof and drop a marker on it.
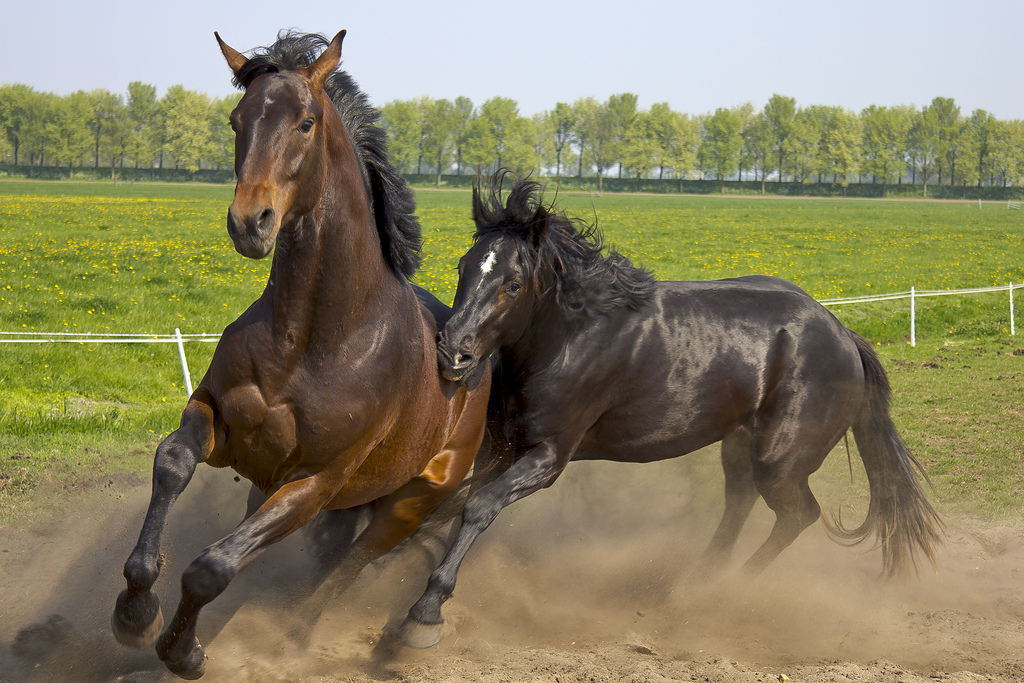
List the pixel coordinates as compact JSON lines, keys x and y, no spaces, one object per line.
{"x":418,"y":635}
{"x":137,"y":622}
{"x":192,"y":667}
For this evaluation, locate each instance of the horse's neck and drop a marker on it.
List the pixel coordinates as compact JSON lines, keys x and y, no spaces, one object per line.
{"x":328,"y":272}
{"x":545,"y":337}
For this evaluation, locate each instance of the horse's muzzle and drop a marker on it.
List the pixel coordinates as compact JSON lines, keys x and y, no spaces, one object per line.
{"x":253,"y":236}
{"x":455,"y":366}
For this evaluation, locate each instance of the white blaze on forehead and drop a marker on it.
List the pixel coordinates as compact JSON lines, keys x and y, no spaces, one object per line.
{"x":488,"y":262}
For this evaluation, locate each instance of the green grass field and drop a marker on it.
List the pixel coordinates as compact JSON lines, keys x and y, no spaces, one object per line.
{"x":100,"y":258}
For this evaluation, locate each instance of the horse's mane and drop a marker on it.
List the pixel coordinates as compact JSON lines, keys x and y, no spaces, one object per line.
{"x":586,"y":281}
{"x":392,"y":199}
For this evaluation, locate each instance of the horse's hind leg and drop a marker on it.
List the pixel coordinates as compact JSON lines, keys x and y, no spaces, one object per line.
{"x":784,"y":456}
{"x":795,"y":509}
{"x":399,"y":514}
{"x":137,"y":619}
{"x":331,"y":535}
{"x":740,"y":496}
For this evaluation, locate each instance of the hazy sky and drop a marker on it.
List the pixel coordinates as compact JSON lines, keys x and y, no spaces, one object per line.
{"x":694,"y":55}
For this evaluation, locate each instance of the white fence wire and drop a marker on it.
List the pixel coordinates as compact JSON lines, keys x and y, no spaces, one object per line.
{"x":179,"y":339}
{"x":915,"y":293}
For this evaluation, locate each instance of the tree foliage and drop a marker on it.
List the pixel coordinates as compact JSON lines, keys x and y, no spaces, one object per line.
{"x":587,"y":137}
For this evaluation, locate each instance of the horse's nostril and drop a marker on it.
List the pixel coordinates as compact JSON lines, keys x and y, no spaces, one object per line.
{"x":265,"y":221}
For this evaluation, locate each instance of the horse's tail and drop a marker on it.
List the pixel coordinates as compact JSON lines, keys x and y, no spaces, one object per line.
{"x":901,"y":518}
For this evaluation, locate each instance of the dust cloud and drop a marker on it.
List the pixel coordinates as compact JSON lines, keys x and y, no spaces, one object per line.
{"x":588,"y":580}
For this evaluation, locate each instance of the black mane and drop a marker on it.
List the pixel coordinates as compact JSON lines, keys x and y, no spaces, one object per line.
{"x":392,"y":199}
{"x":586,"y":281}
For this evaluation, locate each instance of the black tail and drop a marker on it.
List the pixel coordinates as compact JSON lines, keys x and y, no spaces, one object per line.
{"x":899,"y":515}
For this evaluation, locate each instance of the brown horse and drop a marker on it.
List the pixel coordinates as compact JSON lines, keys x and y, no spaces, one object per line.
{"x":325,"y":393}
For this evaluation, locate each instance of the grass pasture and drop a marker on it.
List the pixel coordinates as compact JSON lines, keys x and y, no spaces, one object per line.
{"x":100,"y":258}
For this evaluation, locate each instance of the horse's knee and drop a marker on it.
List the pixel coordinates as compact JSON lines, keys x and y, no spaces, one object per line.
{"x":207,"y":577}
{"x":480,"y":511}
{"x":174,"y":464}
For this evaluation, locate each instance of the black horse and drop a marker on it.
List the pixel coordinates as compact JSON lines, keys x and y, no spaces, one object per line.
{"x":598,"y":361}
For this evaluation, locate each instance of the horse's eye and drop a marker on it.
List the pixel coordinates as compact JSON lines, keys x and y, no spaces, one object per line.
{"x":514,"y":287}
{"x":306,"y":126}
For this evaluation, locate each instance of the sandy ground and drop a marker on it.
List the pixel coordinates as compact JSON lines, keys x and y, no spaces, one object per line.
{"x":584,"y":582}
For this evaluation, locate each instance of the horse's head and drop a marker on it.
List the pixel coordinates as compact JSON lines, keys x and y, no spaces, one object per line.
{"x":499,"y":284}
{"x":279,"y":146}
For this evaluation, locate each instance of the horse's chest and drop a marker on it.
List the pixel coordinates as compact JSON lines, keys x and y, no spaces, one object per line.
{"x":259,"y":433}
{"x":294,"y":430}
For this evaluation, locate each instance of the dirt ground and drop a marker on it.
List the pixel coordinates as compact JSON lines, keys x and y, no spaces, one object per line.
{"x":586,"y":581}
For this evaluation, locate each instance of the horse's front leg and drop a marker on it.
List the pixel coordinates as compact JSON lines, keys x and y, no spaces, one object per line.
{"x":538,"y":467}
{"x":137,"y":619}
{"x":292,"y":506}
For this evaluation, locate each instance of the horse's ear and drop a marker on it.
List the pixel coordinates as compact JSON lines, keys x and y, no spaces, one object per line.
{"x":236,"y":60}
{"x":326,"y":63}
{"x":538,"y":226}
{"x":478,"y":206}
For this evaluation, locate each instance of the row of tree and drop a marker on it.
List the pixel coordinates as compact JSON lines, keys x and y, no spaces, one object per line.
{"x":184,"y":128}
{"x":781,"y":141}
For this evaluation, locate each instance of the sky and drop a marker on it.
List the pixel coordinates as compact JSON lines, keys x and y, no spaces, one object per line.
{"x":697,"y":56}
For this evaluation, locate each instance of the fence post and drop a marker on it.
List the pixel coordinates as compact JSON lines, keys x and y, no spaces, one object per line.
{"x":184,"y":363}
{"x":1013,"y":327}
{"x":913,"y":321}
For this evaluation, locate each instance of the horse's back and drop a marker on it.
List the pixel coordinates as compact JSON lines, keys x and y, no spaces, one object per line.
{"x":704,"y":358}
{"x":755,"y":314}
